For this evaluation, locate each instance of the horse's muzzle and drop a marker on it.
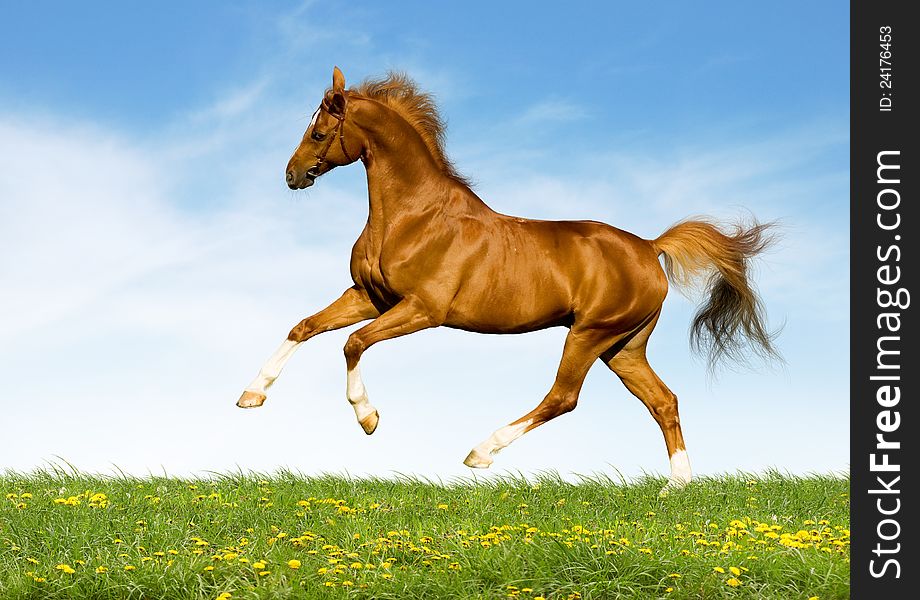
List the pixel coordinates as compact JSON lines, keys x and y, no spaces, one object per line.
{"x":304,"y":181}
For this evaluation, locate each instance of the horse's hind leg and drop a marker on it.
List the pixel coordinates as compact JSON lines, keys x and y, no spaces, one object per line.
{"x":631,"y":365}
{"x":581,"y":350}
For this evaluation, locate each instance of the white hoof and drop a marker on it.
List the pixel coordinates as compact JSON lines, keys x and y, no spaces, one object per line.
{"x":251,"y":400}
{"x":673,"y":485}
{"x":477,"y":460}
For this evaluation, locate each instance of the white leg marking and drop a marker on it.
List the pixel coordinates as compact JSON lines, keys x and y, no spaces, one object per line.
{"x":481,"y":456}
{"x":680,"y":469}
{"x":357,"y":396}
{"x":272,"y":368}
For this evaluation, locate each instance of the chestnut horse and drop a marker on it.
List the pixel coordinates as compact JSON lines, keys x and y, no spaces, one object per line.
{"x":432,"y":254}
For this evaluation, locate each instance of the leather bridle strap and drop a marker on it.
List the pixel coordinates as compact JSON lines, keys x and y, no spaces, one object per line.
{"x":337,"y":132}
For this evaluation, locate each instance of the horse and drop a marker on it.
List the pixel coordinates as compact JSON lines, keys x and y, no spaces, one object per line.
{"x":433,"y":254}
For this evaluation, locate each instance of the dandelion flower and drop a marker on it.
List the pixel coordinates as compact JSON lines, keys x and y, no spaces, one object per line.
{"x":733,"y":582}
{"x":101,"y":569}
{"x":65,"y":568}
{"x":718,"y":569}
{"x":294,"y":563}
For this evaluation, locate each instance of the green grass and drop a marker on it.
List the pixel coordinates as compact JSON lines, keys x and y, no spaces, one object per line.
{"x":358,"y":538}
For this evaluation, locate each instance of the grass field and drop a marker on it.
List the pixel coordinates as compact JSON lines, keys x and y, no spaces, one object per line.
{"x":288,"y":536}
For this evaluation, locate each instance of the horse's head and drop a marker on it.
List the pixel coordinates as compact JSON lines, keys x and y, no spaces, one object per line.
{"x":330,"y":140}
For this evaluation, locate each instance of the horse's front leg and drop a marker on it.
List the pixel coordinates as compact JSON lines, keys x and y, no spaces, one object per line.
{"x":352,"y":307}
{"x":407,"y":316}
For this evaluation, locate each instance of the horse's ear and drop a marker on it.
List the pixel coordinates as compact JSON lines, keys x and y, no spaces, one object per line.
{"x":338,"y":80}
{"x":337,"y":101}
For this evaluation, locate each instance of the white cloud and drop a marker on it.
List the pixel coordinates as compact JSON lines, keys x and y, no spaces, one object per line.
{"x":550,"y":113}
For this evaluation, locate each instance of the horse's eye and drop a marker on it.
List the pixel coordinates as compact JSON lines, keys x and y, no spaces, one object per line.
{"x":318,"y":136}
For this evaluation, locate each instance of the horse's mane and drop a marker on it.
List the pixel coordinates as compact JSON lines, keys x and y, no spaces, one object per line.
{"x":418,"y":108}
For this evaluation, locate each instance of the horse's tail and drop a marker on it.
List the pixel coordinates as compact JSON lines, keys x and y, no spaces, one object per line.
{"x":731,"y":321}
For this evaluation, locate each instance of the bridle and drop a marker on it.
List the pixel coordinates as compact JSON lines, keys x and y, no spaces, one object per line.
{"x":337,"y":132}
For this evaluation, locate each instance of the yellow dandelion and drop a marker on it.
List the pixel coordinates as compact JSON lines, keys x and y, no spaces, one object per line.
{"x":718,"y":569}
{"x":674,"y":575}
{"x":442,"y":507}
{"x":258,"y":565}
{"x":224,"y":596}
{"x":733,"y":582}
{"x":65,"y":568}
{"x":101,"y":569}
{"x":294,"y":563}
{"x":668,"y":590}
{"x":209,"y":568}
{"x":130,"y":568}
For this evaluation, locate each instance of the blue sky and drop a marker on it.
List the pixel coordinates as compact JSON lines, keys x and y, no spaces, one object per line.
{"x":158,"y":258}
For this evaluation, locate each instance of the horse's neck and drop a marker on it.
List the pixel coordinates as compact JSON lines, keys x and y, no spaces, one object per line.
{"x":403,"y":181}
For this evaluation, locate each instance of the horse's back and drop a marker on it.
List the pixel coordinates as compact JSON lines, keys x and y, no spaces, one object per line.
{"x":530,"y":274}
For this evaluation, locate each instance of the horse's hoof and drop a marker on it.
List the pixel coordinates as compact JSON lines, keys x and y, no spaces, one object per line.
{"x":672,"y":485}
{"x":369,"y":423}
{"x":251,"y":400}
{"x":477,"y":460}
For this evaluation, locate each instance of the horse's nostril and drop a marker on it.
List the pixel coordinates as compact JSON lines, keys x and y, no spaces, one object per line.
{"x":290,"y":176}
